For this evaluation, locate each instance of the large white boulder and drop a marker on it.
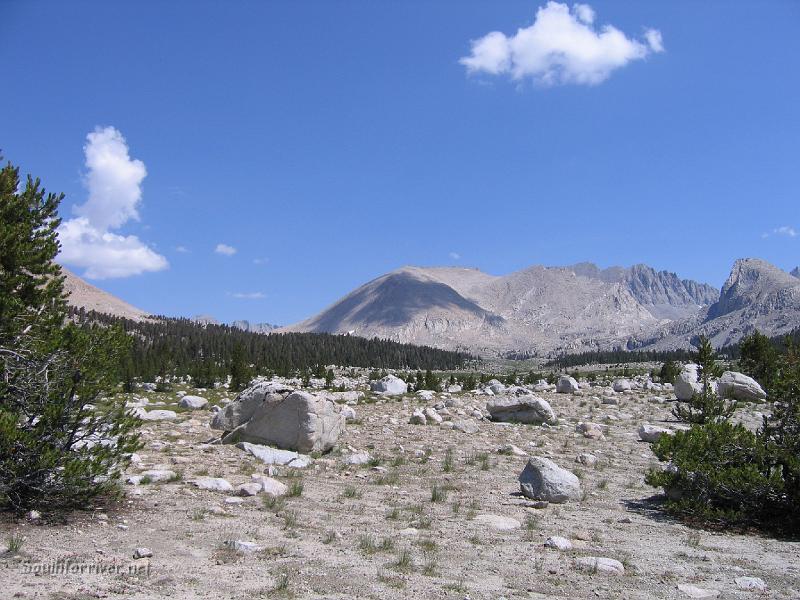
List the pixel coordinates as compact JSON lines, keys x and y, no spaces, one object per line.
{"x":686,"y":383}
{"x":389,"y":386}
{"x":651,"y":433}
{"x":521,"y":409}
{"x":244,"y":407}
{"x":300,"y":421}
{"x":739,"y":386}
{"x":193,"y":402}
{"x":496,"y":386}
{"x":156,"y":415}
{"x":542,"y":479}
{"x":621,"y":385}
{"x":566,"y":385}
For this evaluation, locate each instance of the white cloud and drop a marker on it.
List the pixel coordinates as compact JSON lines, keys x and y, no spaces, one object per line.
{"x":181,"y":249}
{"x":654,"y":40}
{"x":104,"y":254}
{"x":785,"y":230}
{"x":454,"y":255}
{"x":561,"y":46}
{"x":113,"y":181}
{"x":248,"y":295}
{"x":225,"y":250}
{"x":260,"y":261}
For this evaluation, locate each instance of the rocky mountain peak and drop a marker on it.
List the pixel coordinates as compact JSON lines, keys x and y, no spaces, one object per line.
{"x":795,"y":272}
{"x":754,"y":281}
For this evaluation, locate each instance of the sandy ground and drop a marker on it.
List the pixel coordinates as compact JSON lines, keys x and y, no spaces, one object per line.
{"x":373,"y":531}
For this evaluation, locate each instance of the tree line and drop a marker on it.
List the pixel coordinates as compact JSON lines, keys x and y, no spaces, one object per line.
{"x":167,"y":347}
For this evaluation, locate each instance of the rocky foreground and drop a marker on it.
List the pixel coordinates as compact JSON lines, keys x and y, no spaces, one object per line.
{"x":420,"y":497}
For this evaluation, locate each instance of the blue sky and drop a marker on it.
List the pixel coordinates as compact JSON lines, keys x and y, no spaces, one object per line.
{"x":330,"y":142}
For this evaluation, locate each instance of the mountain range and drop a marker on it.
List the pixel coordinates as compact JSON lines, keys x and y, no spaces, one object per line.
{"x":539,"y":310}
{"x":545,"y":310}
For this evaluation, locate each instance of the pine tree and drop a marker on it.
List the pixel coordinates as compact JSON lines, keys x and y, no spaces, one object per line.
{"x":781,"y":432}
{"x":63,"y":440}
{"x":329,"y":377}
{"x":239,"y":369}
{"x":758,"y":358}
{"x":705,"y":406}
{"x":31,"y":284}
{"x":669,"y":371}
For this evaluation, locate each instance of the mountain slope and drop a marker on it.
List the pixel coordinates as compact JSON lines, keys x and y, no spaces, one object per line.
{"x":756,"y":295}
{"x":539,"y":309}
{"x":84,"y":295}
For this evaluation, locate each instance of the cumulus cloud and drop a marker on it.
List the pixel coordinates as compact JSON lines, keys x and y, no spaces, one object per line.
{"x":248,"y":295}
{"x":103,"y":254}
{"x":562,"y":46}
{"x":225,"y":250}
{"x":785,"y":230}
{"x":260,"y":261}
{"x":181,"y":249}
{"x":454,"y":255}
{"x":114,"y":183}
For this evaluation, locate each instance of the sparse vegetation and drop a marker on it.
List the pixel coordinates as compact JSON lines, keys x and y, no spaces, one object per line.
{"x":14,"y":543}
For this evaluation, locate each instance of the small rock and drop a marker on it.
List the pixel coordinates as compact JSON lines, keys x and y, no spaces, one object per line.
{"x":216,"y":484}
{"x":498,"y":522}
{"x":652,"y":433}
{"x":512,"y":449}
{"x":349,"y":413}
{"x":558,"y":543}
{"x":154,"y":476}
{"x":432,"y":416}
{"x":242,"y":546}
{"x":418,"y":418}
{"x":248,"y":489}
{"x":750,"y":583}
{"x":358,"y":458}
{"x":691,"y":591}
{"x":142,"y":553}
{"x":465,"y":427}
{"x":591,"y":431}
{"x":271,"y":487}
{"x":599,"y":564}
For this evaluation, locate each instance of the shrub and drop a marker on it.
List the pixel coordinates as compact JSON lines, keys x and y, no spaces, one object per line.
{"x":717,"y":471}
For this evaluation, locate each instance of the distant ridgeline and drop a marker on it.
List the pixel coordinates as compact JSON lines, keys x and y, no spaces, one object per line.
{"x":640,"y":356}
{"x":166,"y":346}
